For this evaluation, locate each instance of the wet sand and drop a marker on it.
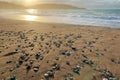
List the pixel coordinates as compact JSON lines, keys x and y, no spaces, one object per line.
{"x":42,"y":51}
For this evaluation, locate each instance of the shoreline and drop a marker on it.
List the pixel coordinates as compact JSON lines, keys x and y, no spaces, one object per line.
{"x":13,"y":22}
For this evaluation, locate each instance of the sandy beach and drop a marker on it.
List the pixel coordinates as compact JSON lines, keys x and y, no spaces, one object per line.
{"x":51,"y":51}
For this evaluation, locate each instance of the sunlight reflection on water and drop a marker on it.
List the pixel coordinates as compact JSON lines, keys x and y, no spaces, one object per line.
{"x":29,"y":17}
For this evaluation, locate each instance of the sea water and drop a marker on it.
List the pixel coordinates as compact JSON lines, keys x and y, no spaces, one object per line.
{"x":93,"y":17}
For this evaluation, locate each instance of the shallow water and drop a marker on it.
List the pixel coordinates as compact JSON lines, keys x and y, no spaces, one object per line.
{"x":102,"y":17}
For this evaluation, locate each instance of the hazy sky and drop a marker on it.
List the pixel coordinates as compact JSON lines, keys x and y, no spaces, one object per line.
{"x":81,"y":3}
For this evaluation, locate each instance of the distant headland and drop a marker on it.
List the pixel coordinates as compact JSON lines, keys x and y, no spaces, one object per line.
{"x":6,"y":5}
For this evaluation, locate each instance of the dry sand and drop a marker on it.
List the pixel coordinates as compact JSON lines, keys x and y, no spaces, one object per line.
{"x":68,"y":52}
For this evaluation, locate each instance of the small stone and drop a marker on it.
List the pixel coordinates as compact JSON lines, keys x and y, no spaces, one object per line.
{"x":57,"y":58}
{"x":46,"y":75}
{"x":13,"y":77}
{"x":31,"y":62}
{"x":76,"y":70}
{"x":36,"y":69}
{"x":9,"y":62}
{"x":28,"y":67}
{"x":41,"y":57}
{"x":17,"y":65}
{"x":67,"y":53}
{"x":74,"y":49}
{"x":2,"y":72}
{"x":11,"y":69}
{"x":49,"y":74}
{"x":84,"y":56}
{"x":37,"y":56}
{"x":68,"y":63}
{"x":112,"y":60}
{"x":118,"y":62}
{"x":104,"y":79}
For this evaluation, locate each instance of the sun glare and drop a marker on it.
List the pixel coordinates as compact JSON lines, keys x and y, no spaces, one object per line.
{"x":30,"y":18}
{"x":29,"y":2}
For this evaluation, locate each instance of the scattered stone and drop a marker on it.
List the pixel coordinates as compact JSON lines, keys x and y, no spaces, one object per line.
{"x":70,"y":76}
{"x":76,"y":70}
{"x":55,"y":66}
{"x":17,"y":65}
{"x":118,"y":62}
{"x":31,"y":62}
{"x":104,"y":79}
{"x":57,"y":58}
{"x":28,"y":67}
{"x":88,"y":62}
{"x":108,"y":75}
{"x":13,"y":77}
{"x":9,"y":62}
{"x":68,"y":63}
{"x":84,"y":56}
{"x":36,"y":68}
{"x":22,"y":59}
{"x":57,"y":44}
{"x":65,"y":52}
{"x":49,"y":74}
{"x":113,"y":60}
{"x":41,"y":57}
{"x":74,"y":49}
{"x":11,"y":69}
{"x":37,"y":56}
{"x":2,"y":72}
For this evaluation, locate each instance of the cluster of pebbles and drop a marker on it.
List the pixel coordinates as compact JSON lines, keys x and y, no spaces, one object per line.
{"x":52,"y":56}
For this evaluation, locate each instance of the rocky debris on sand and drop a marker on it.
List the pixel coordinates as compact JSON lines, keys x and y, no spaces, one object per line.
{"x":32,"y":48}
{"x":108,"y":75}
{"x":22,"y":59}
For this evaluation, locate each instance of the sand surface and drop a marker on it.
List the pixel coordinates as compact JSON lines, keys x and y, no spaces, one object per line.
{"x":41,"y":51}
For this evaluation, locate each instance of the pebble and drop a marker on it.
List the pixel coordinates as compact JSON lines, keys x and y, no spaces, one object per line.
{"x":13,"y":77}
{"x":49,"y":74}
{"x":68,"y":63}
{"x":9,"y":62}
{"x":36,"y":69}
{"x":76,"y":70}
{"x":37,"y":56}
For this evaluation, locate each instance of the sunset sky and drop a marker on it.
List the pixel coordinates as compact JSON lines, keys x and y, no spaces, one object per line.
{"x":80,"y":3}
